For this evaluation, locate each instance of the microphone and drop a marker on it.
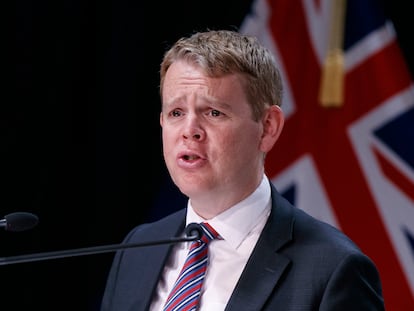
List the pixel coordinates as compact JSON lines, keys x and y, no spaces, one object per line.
{"x":193,"y":232}
{"x":19,"y":221}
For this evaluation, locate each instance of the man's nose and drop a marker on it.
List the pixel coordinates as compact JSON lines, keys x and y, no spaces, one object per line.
{"x":193,"y":129}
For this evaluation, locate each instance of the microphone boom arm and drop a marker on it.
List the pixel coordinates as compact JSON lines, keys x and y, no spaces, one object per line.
{"x":87,"y":251}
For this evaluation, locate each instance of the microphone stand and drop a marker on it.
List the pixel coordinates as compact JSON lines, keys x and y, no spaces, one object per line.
{"x":90,"y":250}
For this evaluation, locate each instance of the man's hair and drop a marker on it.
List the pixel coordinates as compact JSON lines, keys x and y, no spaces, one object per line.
{"x":222,"y":52}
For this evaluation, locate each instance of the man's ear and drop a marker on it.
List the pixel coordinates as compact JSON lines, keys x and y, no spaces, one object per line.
{"x":273,"y":122}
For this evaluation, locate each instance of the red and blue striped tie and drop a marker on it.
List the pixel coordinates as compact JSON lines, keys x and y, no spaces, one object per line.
{"x":185,"y":294}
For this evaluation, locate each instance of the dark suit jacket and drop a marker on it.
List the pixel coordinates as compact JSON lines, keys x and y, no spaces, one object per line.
{"x":299,"y":263}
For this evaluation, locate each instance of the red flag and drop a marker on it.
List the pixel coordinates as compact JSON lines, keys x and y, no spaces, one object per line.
{"x":352,"y":165}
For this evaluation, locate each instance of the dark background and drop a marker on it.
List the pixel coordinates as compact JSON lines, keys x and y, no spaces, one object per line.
{"x":80,"y":135}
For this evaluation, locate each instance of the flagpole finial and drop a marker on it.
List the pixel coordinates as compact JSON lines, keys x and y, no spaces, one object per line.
{"x":331,"y":92}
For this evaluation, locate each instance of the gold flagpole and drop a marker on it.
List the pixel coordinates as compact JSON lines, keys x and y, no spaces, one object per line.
{"x":331,"y":92}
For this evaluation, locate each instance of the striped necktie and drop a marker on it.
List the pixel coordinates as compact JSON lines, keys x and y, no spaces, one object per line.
{"x":185,"y":294}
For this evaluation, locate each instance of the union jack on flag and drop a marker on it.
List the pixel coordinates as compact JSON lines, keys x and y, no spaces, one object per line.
{"x":351,"y":165}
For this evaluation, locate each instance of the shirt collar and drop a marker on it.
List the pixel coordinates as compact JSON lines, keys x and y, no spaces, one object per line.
{"x":238,"y":221}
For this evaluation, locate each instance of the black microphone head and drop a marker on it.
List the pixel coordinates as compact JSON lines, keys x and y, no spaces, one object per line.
{"x":20,"y":221}
{"x":194,"y":230}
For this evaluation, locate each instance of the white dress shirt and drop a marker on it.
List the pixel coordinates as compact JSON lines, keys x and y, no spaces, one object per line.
{"x":239,"y":227}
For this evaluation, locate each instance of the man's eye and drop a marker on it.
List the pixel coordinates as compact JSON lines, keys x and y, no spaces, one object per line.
{"x":215,"y":113}
{"x":175,"y":113}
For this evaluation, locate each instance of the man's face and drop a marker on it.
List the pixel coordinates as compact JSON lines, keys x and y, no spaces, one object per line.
{"x":211,"y":144}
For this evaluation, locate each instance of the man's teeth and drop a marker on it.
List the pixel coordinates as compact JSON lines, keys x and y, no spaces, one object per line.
{"x":190,"y":157}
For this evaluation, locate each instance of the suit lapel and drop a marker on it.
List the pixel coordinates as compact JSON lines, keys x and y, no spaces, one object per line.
{"x":265,"y":265}
{"x":157,"y":256}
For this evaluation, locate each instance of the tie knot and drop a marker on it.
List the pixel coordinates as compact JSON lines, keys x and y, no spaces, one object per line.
{"x":209,"y":232}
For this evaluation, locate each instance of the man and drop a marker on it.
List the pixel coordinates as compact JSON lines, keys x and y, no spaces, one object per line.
{"x":221,"y":95}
